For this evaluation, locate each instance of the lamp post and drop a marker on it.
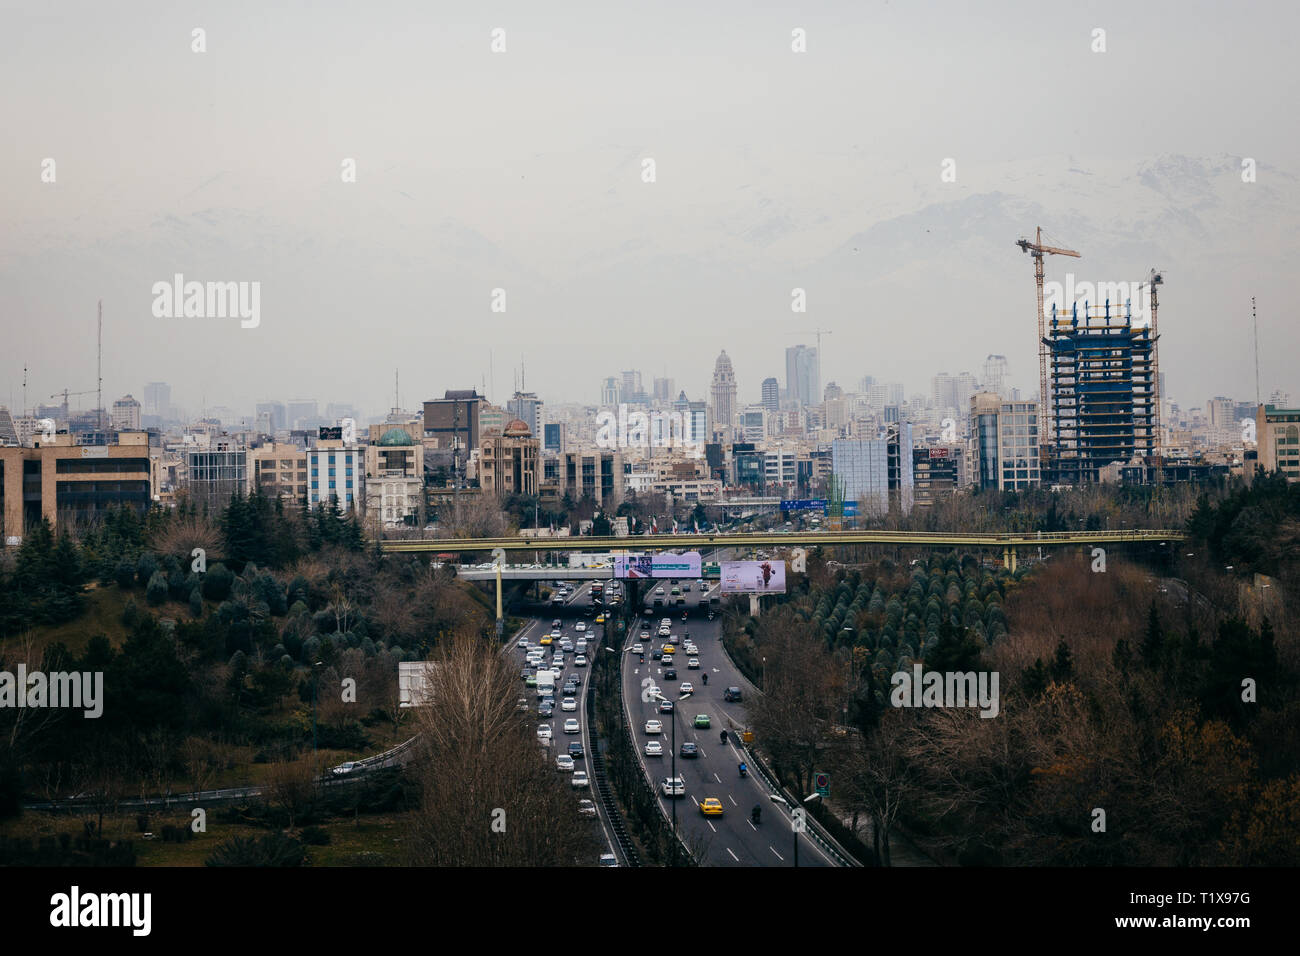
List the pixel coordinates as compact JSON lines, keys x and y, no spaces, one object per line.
{"x":794,"y":828}
{"x":672,"y":800}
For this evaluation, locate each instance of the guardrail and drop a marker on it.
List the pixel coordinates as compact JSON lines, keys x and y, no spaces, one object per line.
{"x":812,"y":829}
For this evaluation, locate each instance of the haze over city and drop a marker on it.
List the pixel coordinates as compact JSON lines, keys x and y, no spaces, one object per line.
{"x":522,"y":170}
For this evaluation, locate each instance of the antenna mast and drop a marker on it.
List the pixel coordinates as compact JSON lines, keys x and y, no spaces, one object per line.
{"x":99,"y":372}
{"x":1255,"y":319}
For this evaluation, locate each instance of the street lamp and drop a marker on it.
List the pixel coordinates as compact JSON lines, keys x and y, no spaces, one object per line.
{"x":672,"y":773}
{"x":777,"y":798}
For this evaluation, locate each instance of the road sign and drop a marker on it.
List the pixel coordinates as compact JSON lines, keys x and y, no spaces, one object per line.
{"x":823,"y":783}
{"x":747,"y":737}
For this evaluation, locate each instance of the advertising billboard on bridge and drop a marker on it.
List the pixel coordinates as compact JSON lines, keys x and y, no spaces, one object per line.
{"x":804,"y":504}
{"x":657,"y":565}
{"x":753,"y":577}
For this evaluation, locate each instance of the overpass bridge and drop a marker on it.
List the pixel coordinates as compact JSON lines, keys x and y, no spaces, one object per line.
{"x":1008,"y":542}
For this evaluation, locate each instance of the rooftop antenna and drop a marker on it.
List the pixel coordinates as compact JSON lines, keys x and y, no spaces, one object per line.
{"x":1255,"y":319}
{"x":397,"y":394}
{"x":492,"y":375}
{"x":26,"y":411}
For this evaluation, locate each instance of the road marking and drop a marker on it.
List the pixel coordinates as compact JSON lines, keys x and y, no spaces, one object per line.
{"x":778,"y":855}
{"x":711,"y":826}
{"x":697,"y":803}
{"x":716,"y":777}
{"x":733,"y":800}
{"x":733,"y":856}
{"x":751,"y":823}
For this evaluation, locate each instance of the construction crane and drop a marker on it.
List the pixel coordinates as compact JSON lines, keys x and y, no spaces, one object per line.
{"x":817,"y":332}
{"x":1154,"y":279}
{"x":1038,"y":250}
{"x":65,"y":393}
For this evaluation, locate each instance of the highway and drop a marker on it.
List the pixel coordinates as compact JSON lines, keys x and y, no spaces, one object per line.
{"x":569,"y":617}
{"x":730,"y":839}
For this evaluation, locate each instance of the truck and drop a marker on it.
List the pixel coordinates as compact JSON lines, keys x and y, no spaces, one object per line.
{"x":545,"y":683}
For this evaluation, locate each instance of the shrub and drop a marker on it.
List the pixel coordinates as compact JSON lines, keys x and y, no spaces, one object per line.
{"x":125,"y":575}
{"x":315,"y":836}
{"x":156,"y":593}
{"x":274,"y":849}
{"x":217,"y":582}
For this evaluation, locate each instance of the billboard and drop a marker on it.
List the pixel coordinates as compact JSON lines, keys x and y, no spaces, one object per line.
{"x":657,"y":565}
{"x":804,"y":504}
{"x":753,"y":577}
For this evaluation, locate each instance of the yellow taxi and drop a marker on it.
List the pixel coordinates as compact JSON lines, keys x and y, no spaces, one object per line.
{"x":711,"y":807}
{"x":600,"y":619}
{"x":670,"y":649}
{"x":546,"y":639}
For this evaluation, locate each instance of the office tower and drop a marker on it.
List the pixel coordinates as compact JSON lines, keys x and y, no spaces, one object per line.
{"x":272,"y":417}
{"x":632,"y":388}
{"x":454,"y":421}
{"x":861,"y":465}
{"x":771,"y":395}
{"x":724,"y":396}
{"x":663,"y":390}
{"x":753,"y":423}
{"x":553,"y":438}
{"x":1004,"y":437}
{"x":802,"y":375}
{"x":865,"y":383}
{"x":213,"y":474}
{"x":695,"y":418}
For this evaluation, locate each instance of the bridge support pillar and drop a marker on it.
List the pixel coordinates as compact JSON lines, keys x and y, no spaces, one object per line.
{"x":1009,"y":559}
{"x":754,"y":605}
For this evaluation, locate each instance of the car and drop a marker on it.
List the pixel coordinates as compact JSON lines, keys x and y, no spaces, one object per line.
{"x":711,"y":807}
{"x":702,"y":722}
{"x":571,"y":725}
{"x":545,"y":711}
{"x":556,"y":633}
{"x":686,"y":587}
{"x":576,"y":751}
{"x":676,"y":591}
{"x":731,"y":695}
{"x":658,"y":654}
{"x":546,"y":639}
{"x":580,"y":780}
{"x":608,"y":859}
{"x":564,"y":763}
{"x":600,"y":618}
{"x":566,"y":645}
{"x":665,"y":706}
{"x":686,"y":687}
{"x":645,"y":635}
{"x":670,"y":674}
{"x":568,"y":703}
{"x":667,"y":659}
{"x":548,"y":700}
{"x":544,"y":731}
{"x":523,"y":643}
{"x":530,"y":680}
{"x":693,"y":663}
{"x":672,"y":787}
{"x":688,"y":750}
{"x":342,"y":770}
{"x":580,"y":660}
{"x":638,"y":648}
{"x":586,"y":808}
{"x":659,"y":590}
{"x":556,"y":625}
{"x":670,"y":649}
{"x":580,"y":626}
{"x":654,"y":748}
{"x":575,"y":678}
{"x":651,"y":727}
{"x":526,"y":673}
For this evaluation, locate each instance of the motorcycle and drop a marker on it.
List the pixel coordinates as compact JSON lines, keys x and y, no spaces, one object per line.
{"x":705,"y":678}
{"x":722,"y":737}
{"x":744,"y":771}
{"x":755,"y":815}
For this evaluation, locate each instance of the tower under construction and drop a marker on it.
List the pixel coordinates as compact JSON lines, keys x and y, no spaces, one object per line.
{"x":1103,"y":391}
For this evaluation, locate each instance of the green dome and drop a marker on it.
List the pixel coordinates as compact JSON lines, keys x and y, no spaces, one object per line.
{"x":396,"y":436}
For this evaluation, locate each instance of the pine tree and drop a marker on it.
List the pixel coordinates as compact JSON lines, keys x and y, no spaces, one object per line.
{"x":1153,"y":642}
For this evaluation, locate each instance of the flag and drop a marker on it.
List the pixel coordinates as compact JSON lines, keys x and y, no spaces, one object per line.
{"x":697,"y":527}
{"x":674,"y":526}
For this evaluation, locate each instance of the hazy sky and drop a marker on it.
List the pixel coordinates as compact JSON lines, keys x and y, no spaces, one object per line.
{"x":523,"y":171}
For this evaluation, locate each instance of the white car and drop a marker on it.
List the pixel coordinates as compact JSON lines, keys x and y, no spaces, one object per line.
{"x":651,"y":727}
{"x":666,"y":660}
{"x":673,"y":787}
{"x":580,"y":780}
{"x":659,"y":590}
{"x":580,"y":661}
{"x":580,"y":626}
{"x":693,"y":663}
{"x":564,"y":763}
{"x":586,"y":808}
{"x":571,"y":726}
{"x":568,"y":704}
{"x":645,"y":635}
{"x":638,"y":648}
{"x":544,"y":732}
{"x":686,"y":688}
{"x":654,"y":748}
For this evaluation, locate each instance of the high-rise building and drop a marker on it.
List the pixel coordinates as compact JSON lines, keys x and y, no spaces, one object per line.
{"x":861,"y":466}
{"x":335,"y":473}
{"x":771,"y":395}
{"x":1102,"y":392}
{"x":633,"y":391}
{"x":724,"y":397}
{"x":158,"y":399}
{"x":8,"y":428}
{"x":663,"y":390}
{"x":553,"y":438}
{"x":611,"y":392}
{"x":995,"y":378}
{"x":213,"y":474}
{"x":898,"y":442}
{"x":126,"y":414}
{"x":272,"y":417}
{"x":803,"y":375}
{"x":1004,"y":439}
{"x":597,"y":475}
{"x":1277,"y":430}
{"x":454,"y":420}
{"x":696,"y":414}
{"x":753,"y":423}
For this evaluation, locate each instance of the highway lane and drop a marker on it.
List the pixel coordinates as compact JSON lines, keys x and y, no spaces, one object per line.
{"x":532,"y":632}
{"x":730,"y":839}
